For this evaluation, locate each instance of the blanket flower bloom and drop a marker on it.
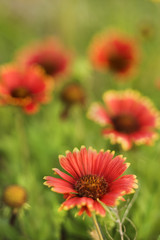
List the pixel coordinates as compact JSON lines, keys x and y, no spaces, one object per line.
{"x":127,"y":117}
{"x":113,"y":52}
{"x":93,"y":177}
{"x":49,"y":55}
{"x":26,"y":88}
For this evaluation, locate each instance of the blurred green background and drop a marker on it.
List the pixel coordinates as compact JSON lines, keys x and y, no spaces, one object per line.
{"x":30,"y":145}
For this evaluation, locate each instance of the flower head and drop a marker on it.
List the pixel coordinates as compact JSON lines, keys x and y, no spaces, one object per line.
{"x":147,"y":30}
{"x":127,"y":117}
{"x":14,"y":196}
{"x":73,"y":93}
{"x":93,"y":176}
{"x":113,"y":52}
{"x":49,"y":55}
{"x":27,"y":88}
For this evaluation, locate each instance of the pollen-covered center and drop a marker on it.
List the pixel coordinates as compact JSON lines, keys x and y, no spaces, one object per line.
{"x":125,"y":123}
{"x":20,"y":92}
{"x":118,"y":62}
{"x":91,"y":186}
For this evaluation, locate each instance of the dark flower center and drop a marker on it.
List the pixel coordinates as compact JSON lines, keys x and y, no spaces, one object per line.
{"x":49,"y":67}
{"x":118,"y":62}
{"x":125,"y":123}
{"x":91,"y":186}
{"x":20,"y":92}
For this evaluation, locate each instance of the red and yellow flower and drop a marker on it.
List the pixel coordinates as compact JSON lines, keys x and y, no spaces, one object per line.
{"x":127,"y":118}
{"x":113,"y":52}
{"x":27,"y":88}
{"x":94,"y":177}
{"x":49,"y":55}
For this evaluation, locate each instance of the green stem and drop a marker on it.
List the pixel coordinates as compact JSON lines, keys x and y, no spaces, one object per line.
{"x":21,"y":129}
{"x":97,"y":227}
{"x":13,"y":217}
{"x":119,"y":224}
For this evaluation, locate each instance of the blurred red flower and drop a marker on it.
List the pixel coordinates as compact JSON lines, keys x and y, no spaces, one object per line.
{"x":128,"y":117}
{"x":94,"y":176}
{"x":49,"y":55}
{"x":113,"y":52}
{"x":27,"y":88}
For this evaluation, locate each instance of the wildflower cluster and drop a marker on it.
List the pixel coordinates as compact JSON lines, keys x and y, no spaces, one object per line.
{"x":92,"y":181}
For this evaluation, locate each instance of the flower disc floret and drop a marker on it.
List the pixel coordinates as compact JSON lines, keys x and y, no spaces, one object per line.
{"x":125,"y":123}
{"x":20,"y":92}
{"x":91,"y":186}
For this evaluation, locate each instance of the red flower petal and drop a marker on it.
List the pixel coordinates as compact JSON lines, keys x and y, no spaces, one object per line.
{"x":124,"y":184}
{"x":77,"y":201}
{"x":64,"y":175}
{"x":99,"y":209}
{"x":84,"y":209}
{"x":117,"y":137}
{"x":11,"y":77}
{"x":110,"y":198}
{"x":102,"y":162}
{"x":69,"y":164}
{"x":31,"y":108}
{"x":115,"y":168}
{"x":99,"y":114}
{"x":59,"y":185}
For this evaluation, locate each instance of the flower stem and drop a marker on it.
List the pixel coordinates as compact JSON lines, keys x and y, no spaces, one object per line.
{"x":97,"y":227}
{"x":23,"y":137}
{"x":13,"y":217}
{"x":119,"y":224}
{"x":23,"y":141}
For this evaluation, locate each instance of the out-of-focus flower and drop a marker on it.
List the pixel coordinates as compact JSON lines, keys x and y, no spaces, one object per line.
{"x":127,"y":117}
{"x":147,"y":30}
{"x":49,"y":55}
{"x":14,"y":196}
{"x":72,"y":94}
{"x":157,"y":84}
{"x":113,"y":52}
{"x":94,"y":176}
{"x":27,"y":88}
